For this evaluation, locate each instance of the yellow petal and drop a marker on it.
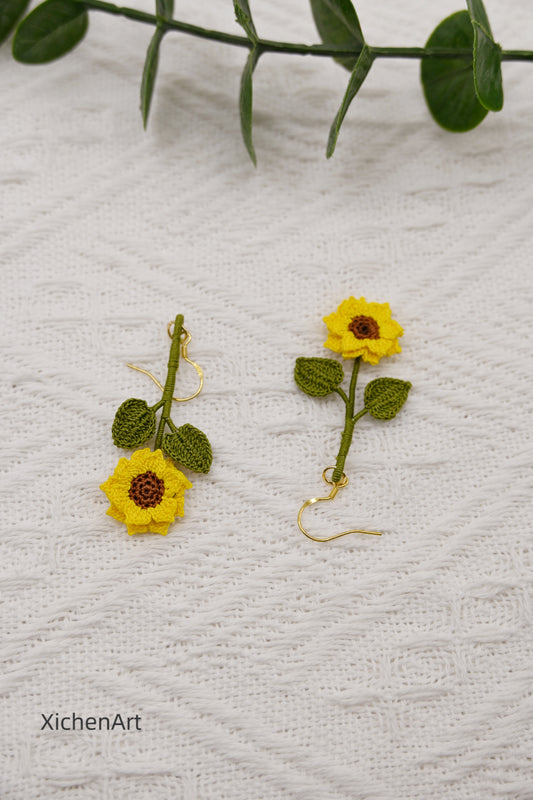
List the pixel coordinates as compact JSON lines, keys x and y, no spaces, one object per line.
{"x":361,"y":350}
{"x":117,"y":494}
{"x":123,"y":470}
{"x":337,"y":323}
{"x":334,"y":343}
{"x":157,"y":462}
{"x":379,"y":311}
{"x":370,"y":358}
{"x":135,"y":514}
{"x":116,"y":513}
{"x":390,"y":329}
{"x":160,"y":527}
{"x":153,"y":527}
{"x":378,"y":346}
{"x":352,"y":308}
{"x":174,"y":479}
{"x":351,"y":343}
{"x":137,"y":529}
{"x":165,"y":511}
{"x":140,"y":459}
{"x":394,"y":348}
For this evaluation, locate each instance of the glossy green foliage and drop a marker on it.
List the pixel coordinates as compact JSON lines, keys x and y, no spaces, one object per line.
{"x":244,"y":18}
{"x":460,"y":64}
{"x":449,"y":82}
{"x":361,"y":70}
{"x":338,"y":24}
{"x":10,"y":13}
{"x":245,"y":102}
{"x":149,"y":73}
{"x":50,"y":31}
{"x":487,"y":59}
{"x":164,"y":8}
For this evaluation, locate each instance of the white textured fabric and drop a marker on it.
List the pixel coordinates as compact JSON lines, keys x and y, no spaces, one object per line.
{"x":261,"y":664}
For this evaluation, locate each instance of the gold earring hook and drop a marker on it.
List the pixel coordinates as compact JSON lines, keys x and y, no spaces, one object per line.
{"x":185,"y":357}
{"x":331,"y":496}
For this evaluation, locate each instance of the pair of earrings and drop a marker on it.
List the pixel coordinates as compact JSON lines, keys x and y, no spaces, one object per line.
{"x":146,"y":492}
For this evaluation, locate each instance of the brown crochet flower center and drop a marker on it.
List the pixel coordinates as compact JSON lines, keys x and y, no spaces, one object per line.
{"x":147,"y":490}
{"x":364,"y":327}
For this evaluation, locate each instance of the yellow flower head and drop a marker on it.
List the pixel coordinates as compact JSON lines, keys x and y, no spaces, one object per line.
{"x":146,"y":492}
{"x":358,"y":328}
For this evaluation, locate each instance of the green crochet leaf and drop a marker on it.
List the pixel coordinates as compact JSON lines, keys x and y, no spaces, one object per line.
{"x":385,"y":396}
{"x":189,"y":447}
{"x":318,"y":376}
{"x":134,"y":424}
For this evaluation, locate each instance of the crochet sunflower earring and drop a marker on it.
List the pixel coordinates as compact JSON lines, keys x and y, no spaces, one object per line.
{"x":363,"y":332}
{"x":146,"y":492}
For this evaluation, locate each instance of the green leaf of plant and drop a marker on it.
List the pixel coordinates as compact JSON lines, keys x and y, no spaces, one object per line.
{"x":134,"y":423}
{"x":10,"y":13}
{"x":189,"y":447}
{"x":487,"y":59}
{"x":50,"y":31}
{"x":318,"y":376}
{"x":245,"y":101}
{"x":478,"y":14}
{"x":337,"y":23}
{"x":385,"y":396}
{"x":449,"y":82}
{"x":360,"y":71}
{"x":149,"y":73}
{"x":244,"y":18}
{"x":164,"y":8}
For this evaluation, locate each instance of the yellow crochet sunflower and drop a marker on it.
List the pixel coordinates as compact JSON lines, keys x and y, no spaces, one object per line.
{"x":358,"y":328}
{"x":146,"y":492}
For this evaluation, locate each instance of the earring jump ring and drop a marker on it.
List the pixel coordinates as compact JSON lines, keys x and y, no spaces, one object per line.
{"x":344,"y":481}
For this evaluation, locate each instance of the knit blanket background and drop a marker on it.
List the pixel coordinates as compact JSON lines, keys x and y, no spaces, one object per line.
{"x":263,"y":665}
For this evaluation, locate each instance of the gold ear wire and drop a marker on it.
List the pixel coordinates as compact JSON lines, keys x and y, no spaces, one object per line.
{"x":185,"y":357}
{"x":331,"y":496}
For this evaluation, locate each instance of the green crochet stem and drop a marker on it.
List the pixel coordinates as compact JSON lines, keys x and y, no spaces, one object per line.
{"x":168,"y":391}
{"x":349,"y":422}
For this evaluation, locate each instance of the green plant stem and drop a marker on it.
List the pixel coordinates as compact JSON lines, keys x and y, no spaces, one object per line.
{"x":269,"y":46}
{"x":349,"y":423}
{"x":517,"y":55}
{"x":342,"y":394}
{"x":170,"y":383}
